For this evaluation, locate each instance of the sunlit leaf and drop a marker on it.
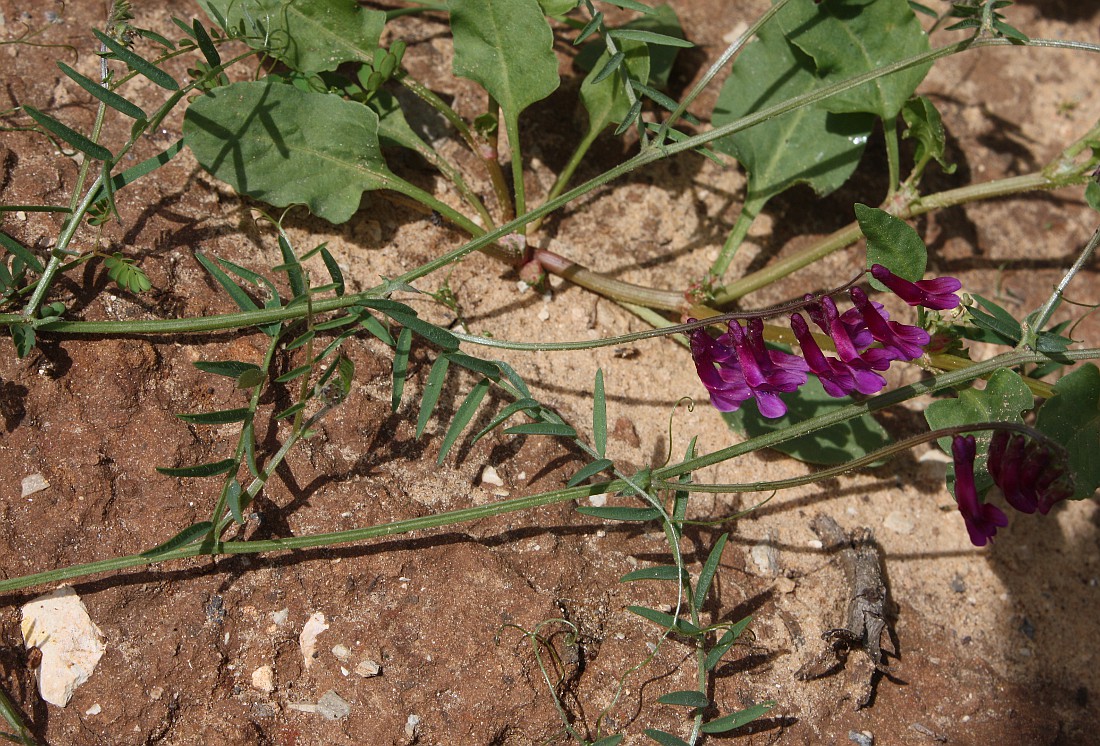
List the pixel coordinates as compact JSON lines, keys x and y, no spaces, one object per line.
{"x":1072,"y":418}
{"x":893,"y":243}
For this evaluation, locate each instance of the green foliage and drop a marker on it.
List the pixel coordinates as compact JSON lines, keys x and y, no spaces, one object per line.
{"x":831,"y":445}
{"x":125,"y":274}
{"x":847,"y":38}
{"x":893,"y":243}
{"x":264,"y":139}
{"x":308,"y":35}
{"x":810,"y":145}
{"x":924,"y":124}
{"x":1072,"y":417}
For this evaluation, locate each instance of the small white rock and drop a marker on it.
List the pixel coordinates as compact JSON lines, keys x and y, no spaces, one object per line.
{"x":331,"y":706}
{"x":341,"y":652}
{"x":263,"y":679}
{"x":94,"y":709}
{"x":489,"y":476}
{"x":307,"y":641}
{"x":58,"y":624}
{"x":279,"y":617}
{"x":34,"y":483}
{"x":598,"y":501}
{"x":411,"y":725}
{"x":899,"y":522}
{"x":368,"y":668}
{"x":544,"y":314}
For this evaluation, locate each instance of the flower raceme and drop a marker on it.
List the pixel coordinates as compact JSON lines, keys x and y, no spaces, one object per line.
{"x":738,"y":366}
{"x":1031,"y":474}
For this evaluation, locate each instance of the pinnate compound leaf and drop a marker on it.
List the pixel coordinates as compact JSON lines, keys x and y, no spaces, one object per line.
{"x":685,"y":698}
{"x":893,"y":243}
{"x":310,"y":36}
{"x":287,"y":146}
{"x":832,"y":445}
{"x":664,"y":738}
{"x":737,"y":719}
{"x":507,"y":47}
{"x":808,"y":145}
{"x":1072,"y":418}
{"x":847,"y":38}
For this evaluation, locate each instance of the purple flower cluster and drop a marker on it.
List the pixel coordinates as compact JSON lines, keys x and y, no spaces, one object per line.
{"x":737,"y":366}
{"x":1031,"y":474}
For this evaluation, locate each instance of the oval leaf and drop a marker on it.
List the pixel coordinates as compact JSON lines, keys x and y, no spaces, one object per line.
{"x":202,"y":470}
{"x":893,"y":243}
{"x":685,"y":698}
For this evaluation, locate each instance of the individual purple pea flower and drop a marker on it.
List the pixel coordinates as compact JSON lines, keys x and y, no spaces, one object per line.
{"x":726,"y":383}
{"x":835,"y":375}
{"x":902,"y":340}
{"x":982,"y":519}
{"x":937,"y":294}
{"x":1031,"y":475}
{"x":767,"y":372}
{"x":861,"y":362}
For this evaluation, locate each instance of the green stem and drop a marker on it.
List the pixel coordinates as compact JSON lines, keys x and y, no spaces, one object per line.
{"x":664,"y":474}
{"x":749,"y":210}
{"x":1032,"y":330}
{"x":511,"y":126}
{"x":893,"y":159}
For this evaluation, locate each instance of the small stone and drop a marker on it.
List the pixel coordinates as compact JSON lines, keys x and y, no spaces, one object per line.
{"x":94,"y":709}
{"x":544,"y":314}
{"x":411,"y":726}
{"x":279,"y":617}
{"x":785,"y":585}
{"x":863,"y":738}
{"x":71,"y":645}
{"x":958,"y":584}
{"x":766,"y":557}
{"x":307,"y":641}
{"x":899,"y":522}
{"x":263,"y":679}
{"x":341,"y":652}
{"x":489,"y":475}
{"x":331,"y":706}
{"x":34,"y":483}
{"x":598,"y":500}
{"x":368,"y":668}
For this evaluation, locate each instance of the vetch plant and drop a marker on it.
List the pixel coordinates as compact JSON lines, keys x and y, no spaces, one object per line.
{"x":317,"y":125}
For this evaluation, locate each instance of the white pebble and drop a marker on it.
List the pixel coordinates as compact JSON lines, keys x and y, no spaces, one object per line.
{"x":899,"y":522}
{"x":331,"y":706}
{"x":34,"y":483}
{"x":263,"y":679}
{"x":489,"y":476}
{"x":368,"y":668}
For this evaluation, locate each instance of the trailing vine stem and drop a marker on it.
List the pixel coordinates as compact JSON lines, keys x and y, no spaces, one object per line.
{"x":664,"y":474}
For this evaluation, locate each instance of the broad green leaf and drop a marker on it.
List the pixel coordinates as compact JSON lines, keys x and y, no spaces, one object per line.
{"x":220,"y":417}
{"x":685,"y":698}
{"x":677,"y":624}
{"x":189,"y":535}
{"x":832,"y":445}
{"x":507,"y":47}
{"x":662,"y":572}
{"x":590,"y":470}
{"x":706,"y":575}
{"x":924,"y":124}
{"x":201,"y":470}
{"x":432,"y":390}
{"x":1072,"y":418}
{"x":665,"y":739}
{"x":809,"y":145}
{"x":308,"y":35}
{"x":1004,"y":399}
{"x":738,"y":719}
{"x":847,"y":38}
{"x":557,"y":8}
{"x":463,"y":415}
{"x":893,"y":243}
{"x":620,"y":514}
{"x":286,"y":146}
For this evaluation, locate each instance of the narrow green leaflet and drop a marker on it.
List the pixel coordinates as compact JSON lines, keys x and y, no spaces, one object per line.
{"x":661,"y":572}
{"x":599,"y":414}
{"x":832,"y":445}
{"x":432,"y":389}
{"x":220,"y":417}
{"x":665,"y":739}
{"x":590,"y":470}
{"x":400,"y":366}
{"x":107,"y":96}
{"x":22,"y":252}
{"x":677,"y":624}
{"x":847,"y":38}
{"x":725,"y":643}
{"x":189,"y":535}
{"x":507,"y":47}
{"x":614,"y":740}
{"x":809,"y":145}
{"x":706,"y":575}
{"x":69,"y":135}
{"x":201,"y":470}
{"x":137,"y":62}
{"x":1072,"y":417}
{"x":685,"y":698}
{"x":620,"y":514}
{"x":554,"y":429}
{"x":1004,"y":399}
{"x":286,"y":146}
{"x":738,"y":719}
{"x":463,"y":415}
{"x":308,"y":35}
{"x":606,"y":101}
{"x":893,"y":243}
